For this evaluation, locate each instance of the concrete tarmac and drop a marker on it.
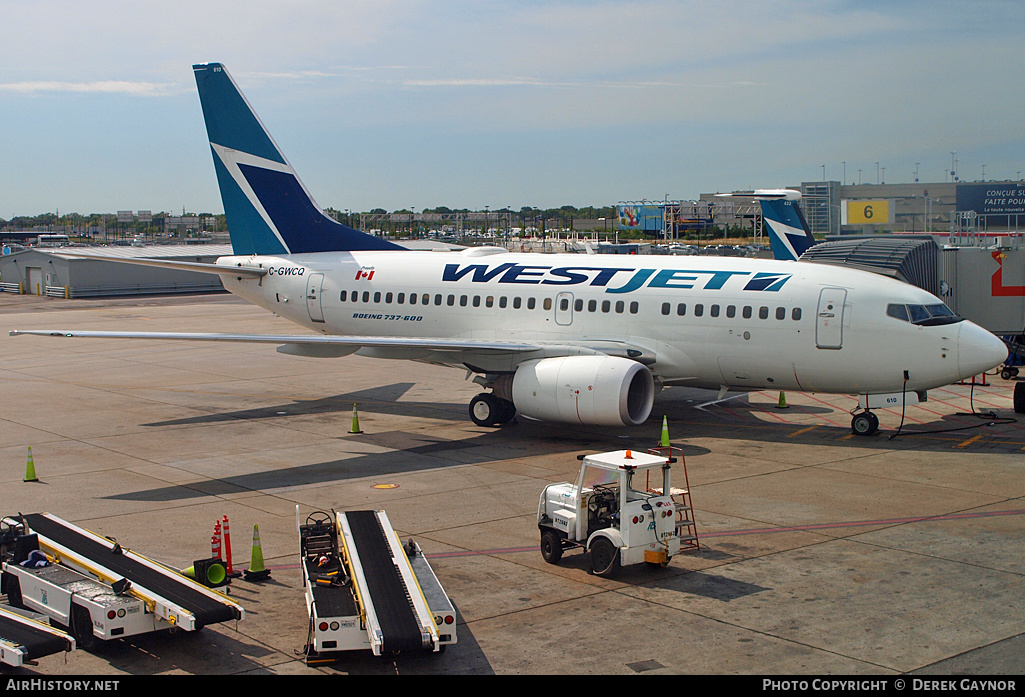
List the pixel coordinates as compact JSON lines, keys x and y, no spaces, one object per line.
{"x":821,"y":552}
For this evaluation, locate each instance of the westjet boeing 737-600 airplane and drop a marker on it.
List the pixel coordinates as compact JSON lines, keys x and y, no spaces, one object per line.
{"x":562,"y":337}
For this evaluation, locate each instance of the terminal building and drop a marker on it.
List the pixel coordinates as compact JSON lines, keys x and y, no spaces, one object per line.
{"x":833,"y":208}
{"x":836,"y":209}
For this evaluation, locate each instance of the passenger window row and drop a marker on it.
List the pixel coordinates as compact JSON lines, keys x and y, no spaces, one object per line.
{"x":501,"y":301}
{"x":698,"y":310}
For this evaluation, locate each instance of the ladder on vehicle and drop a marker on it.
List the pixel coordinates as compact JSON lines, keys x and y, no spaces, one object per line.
{"x":686,"y":529}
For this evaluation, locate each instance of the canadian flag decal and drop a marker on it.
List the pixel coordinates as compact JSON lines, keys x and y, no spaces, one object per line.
{"x":365,"y":273}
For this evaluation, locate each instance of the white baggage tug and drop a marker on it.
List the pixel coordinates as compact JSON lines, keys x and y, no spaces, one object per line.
{"x":615,"y":512}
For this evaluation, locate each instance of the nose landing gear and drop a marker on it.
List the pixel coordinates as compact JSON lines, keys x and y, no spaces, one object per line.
{"x":864,"y":423}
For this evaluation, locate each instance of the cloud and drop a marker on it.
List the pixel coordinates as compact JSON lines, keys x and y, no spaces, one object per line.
{"x":145,"y":89}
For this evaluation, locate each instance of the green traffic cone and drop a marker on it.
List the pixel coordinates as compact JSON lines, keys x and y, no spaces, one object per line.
{"x":355,"y":421}
{"x":256,"y":571}
{"x":664,"y":442}
{"x":30,"y":468}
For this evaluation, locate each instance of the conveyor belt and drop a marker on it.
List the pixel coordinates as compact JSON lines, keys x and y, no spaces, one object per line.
{"x":402,"y":631}
{"x":207,"y":610}
{"x":333,"y":601}
{"x":37,"y":641}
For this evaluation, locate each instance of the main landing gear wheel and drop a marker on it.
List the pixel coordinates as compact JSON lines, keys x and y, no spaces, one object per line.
{"x":488,"y":410}
{"x":864,"y":424}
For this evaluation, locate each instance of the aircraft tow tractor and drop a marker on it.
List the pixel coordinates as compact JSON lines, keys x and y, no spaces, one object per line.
{"x":366,"y":590}
{"x":96,"y":589}
{"x":611,"y":513}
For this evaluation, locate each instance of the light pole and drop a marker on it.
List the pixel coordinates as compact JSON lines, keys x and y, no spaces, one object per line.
{"x":916,"y":172}
{"x":844,"y":163}
{"x":953,"y":171}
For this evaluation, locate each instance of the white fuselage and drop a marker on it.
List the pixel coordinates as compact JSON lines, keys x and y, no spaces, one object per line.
{"x":703,"y":321}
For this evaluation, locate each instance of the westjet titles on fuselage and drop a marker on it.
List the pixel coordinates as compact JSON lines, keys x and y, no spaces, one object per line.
{"x":512,"y":272}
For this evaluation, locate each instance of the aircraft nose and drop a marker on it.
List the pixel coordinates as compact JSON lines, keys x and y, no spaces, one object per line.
{"x":978,"y":350}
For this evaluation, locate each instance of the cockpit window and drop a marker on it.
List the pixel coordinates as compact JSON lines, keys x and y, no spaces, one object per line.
{"x":924,"y":315}
{"x":918,"y":313}
{"x":898,"y":311}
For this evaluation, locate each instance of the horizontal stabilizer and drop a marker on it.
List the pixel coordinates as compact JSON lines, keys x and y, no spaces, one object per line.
{"x":197,"y":266}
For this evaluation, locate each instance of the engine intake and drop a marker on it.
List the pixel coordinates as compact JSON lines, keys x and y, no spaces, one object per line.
{"x":599,"y":390}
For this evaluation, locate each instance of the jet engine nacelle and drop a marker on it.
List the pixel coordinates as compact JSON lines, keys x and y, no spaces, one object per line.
{"x":599,"y":390}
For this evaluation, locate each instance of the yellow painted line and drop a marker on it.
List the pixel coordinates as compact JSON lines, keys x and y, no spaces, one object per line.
{"x":965,"y":444}
{"x":803,"y":430}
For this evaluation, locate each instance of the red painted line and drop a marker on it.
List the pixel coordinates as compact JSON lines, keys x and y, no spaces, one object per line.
{"x":907,"y":417}
{"x":767,"y":411}
{"x":805,"y":412}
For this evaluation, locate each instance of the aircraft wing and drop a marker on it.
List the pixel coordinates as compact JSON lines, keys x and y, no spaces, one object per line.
{"x":315,"y":345}
{"x":297,"y":339}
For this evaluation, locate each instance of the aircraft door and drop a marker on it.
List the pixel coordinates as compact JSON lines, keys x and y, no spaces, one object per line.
{"x":313,"y":288}
{"x":829,"y":322}
{"x":564,"y":309}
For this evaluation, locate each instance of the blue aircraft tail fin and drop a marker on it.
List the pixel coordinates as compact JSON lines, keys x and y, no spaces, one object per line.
{"x":788,"y":230}
{"x":268,"y":208}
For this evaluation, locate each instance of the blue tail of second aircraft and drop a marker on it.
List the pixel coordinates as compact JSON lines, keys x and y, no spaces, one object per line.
{"x":788,"y":230}
{"x":268,"y":208}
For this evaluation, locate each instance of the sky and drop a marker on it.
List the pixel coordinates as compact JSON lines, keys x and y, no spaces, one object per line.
{"x":420,"y":103}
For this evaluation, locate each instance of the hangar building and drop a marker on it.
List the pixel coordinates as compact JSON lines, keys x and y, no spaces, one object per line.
{"x":82,"y":272}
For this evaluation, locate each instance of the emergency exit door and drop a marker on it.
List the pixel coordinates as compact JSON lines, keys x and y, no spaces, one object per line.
{"x":829,"y":323}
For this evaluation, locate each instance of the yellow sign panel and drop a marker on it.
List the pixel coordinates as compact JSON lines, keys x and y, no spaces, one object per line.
{"x":868,"y":212}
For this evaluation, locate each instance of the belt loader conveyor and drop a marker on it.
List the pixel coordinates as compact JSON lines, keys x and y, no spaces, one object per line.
{"x":98,"y":589}
{"x":365,"y":590}
{"x":24,"y":637}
